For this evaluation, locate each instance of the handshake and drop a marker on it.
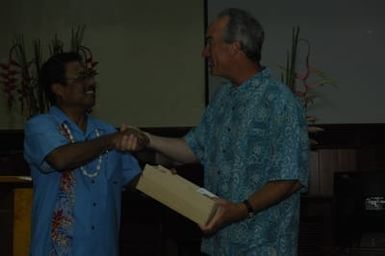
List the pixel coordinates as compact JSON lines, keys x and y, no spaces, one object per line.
{"x":130,"y":139}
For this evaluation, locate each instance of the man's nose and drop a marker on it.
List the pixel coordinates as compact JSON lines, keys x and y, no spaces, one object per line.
{"x":205,"y":52}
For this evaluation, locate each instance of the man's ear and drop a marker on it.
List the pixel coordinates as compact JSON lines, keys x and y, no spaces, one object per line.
{"x":57,"y":89}
{"x":236,"y":47}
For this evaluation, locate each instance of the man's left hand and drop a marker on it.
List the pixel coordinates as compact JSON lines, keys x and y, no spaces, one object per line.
{"x":226,"y":213}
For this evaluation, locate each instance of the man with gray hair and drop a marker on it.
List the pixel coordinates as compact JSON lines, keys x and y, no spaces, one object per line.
{"x":252,"y":141}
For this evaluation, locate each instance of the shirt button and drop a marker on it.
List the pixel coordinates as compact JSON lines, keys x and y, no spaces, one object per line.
{"x":94,"y":204}
{"x":93,"y":227}
{"x":93,"y":181}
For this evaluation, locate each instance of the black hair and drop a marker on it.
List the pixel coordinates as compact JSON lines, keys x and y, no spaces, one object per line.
{"x":54,"y":71}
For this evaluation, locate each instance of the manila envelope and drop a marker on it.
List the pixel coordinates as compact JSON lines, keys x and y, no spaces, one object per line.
{"x":177,"y":193}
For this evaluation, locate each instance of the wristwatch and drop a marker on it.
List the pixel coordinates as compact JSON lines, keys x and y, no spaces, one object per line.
{"x":250,"y":210}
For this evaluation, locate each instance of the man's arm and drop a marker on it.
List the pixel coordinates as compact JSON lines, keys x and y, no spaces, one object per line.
{"x":174,"y":148}
{"x":71,"y":156}
{"x":270,"y":194}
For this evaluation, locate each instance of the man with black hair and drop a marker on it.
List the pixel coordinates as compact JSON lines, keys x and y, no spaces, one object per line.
{"x":78,"y":166}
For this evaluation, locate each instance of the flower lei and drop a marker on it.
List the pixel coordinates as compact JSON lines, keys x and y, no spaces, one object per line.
{"x":85,"y":172}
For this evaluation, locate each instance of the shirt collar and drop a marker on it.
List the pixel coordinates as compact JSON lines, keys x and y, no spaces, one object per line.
{"x":254,"y":80}
{"x":61,"y":118}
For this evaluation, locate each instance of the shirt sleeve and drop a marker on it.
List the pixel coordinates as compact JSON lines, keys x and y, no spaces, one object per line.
{"x":130,"y":167}
{"x":42,"y":136}
{"x":196,"y":138}
{"x":290,"y":144}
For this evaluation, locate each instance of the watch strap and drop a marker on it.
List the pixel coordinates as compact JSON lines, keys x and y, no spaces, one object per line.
{"x":250,"y":210}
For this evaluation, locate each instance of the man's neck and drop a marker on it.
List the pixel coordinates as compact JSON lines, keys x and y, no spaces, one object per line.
{"x":244,"y":71}
{"x":79,"y":117}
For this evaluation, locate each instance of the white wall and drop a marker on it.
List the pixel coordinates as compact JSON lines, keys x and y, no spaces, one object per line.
{"x":151,"y":73}
{"x":348,"y":43}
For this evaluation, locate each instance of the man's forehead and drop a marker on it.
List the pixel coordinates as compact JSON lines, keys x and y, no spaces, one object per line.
{"x":74,"y":68}
{"x":217,"y":26}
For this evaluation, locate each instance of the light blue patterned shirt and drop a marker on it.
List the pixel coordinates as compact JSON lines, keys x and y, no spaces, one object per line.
{"x":97,"y":200}
{"x":248,"y":136}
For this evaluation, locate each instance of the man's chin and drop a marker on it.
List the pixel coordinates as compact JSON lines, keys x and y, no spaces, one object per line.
{"x":90,"y":106}
{"x":213,"y":73}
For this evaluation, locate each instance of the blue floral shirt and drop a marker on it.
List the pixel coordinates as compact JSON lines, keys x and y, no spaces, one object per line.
{"x":248,"y":136}
{"x":97,"y":201}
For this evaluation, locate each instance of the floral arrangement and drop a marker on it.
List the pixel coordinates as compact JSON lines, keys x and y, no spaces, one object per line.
{"x":302,"y":82}
{"x":19,"y":76}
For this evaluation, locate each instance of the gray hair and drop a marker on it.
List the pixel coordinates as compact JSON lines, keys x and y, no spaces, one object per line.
{"x":244,"y":28}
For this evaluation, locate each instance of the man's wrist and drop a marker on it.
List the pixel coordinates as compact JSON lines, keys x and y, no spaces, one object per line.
{"x":249,"y":208}
{"x":147,"y":140}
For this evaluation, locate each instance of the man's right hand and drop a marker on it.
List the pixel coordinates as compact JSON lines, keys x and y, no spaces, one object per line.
{"x":130,"y":139}
{"x":176,"y":149}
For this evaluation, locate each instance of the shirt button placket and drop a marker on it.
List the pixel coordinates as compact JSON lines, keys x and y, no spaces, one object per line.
{"x":93,"y":203}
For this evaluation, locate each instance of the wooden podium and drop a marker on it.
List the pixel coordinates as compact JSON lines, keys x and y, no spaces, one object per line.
{"x":22,"y":206}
